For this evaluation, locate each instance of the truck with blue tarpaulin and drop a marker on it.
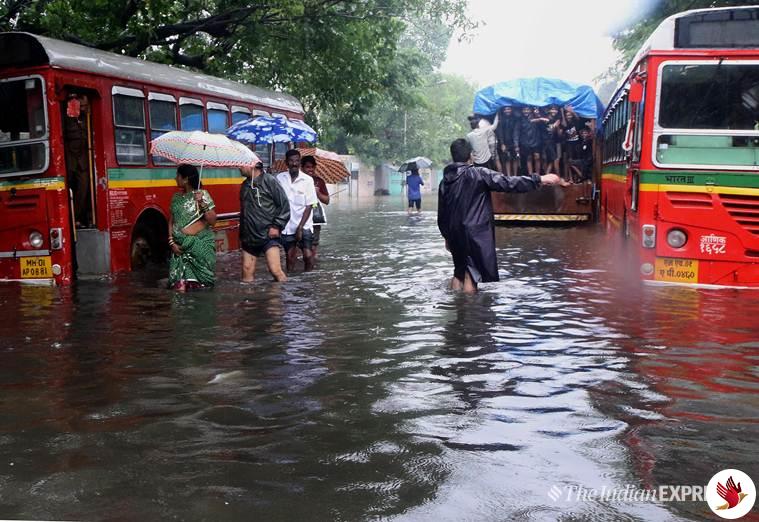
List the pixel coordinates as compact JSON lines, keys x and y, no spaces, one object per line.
{"x":573,"y":202}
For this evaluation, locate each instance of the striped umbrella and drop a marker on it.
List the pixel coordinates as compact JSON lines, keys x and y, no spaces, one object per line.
{"x":203,"y":149}
{"x":329,"y":166}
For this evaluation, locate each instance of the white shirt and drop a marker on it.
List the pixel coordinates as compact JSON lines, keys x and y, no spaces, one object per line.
{"x":482,"y":140}
{"x":301,"y":193}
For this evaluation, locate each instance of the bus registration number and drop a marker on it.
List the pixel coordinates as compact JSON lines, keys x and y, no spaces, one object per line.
{"x":676,"y":270}
{"x":36,"y":267}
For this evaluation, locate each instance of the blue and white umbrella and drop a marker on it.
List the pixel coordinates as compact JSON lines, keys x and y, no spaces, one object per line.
{"x":271,"y":129}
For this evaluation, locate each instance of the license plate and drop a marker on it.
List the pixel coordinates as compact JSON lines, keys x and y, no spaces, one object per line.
{"x":36,"y":267}
{"x":676,"y":270}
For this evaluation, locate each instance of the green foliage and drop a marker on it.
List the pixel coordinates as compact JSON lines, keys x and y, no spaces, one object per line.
{"x":435,"y":116}
{"x":347,"y":61}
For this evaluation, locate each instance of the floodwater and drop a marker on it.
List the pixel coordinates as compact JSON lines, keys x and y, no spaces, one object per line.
{"x":367,"y":390}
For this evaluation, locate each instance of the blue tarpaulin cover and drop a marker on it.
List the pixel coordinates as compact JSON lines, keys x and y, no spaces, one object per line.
{"x":539,"y":92}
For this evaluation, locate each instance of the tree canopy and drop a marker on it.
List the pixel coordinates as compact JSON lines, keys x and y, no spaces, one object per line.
{"x":337,"y":56}
{"x":425,"y":127}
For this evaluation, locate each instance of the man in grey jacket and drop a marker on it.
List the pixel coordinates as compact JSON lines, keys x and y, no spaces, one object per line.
{"x":264,"y":212}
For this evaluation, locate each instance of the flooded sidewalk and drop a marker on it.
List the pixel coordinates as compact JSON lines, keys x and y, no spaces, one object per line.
{"x":366,"y":389}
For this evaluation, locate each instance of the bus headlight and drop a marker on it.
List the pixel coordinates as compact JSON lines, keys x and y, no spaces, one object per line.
{"x":35,"y":239}
{"x":676,"y":238}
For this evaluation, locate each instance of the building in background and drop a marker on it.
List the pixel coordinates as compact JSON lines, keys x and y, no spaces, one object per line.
{"x":383,"y":180}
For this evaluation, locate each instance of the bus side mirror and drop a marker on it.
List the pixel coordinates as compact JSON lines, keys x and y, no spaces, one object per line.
{"x":636,"y":91}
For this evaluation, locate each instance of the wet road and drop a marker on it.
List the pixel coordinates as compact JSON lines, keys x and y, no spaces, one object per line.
{"x":367,"y":390}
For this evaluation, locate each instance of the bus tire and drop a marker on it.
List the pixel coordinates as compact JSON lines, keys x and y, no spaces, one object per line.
{"x":146,"y":245}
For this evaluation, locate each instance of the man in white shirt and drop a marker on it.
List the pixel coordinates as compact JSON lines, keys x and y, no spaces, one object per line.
{"x":301,"y":192}
{"x":483,"y":142}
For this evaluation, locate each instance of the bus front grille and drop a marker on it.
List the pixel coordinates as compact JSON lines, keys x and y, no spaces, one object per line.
{"x":689,"y":200}
{"x":744,"y":209}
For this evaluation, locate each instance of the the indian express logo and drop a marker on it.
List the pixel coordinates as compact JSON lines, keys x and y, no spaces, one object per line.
{"x":730,"y":494}
{"x":628,"y":493}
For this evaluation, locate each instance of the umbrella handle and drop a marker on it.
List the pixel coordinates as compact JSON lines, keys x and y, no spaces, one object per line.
{"x":200,"y":186}
{"x":339,"y":191}
{"x":200,"y":174}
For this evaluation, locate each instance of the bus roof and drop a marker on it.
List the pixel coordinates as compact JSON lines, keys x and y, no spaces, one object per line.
{"x":25,"y":49}
{"x":669,"y":35}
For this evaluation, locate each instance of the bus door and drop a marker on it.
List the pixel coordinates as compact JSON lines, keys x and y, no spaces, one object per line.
{"x":91,"y":240}
{"x":633,"y":147}
{"x":80,"y":164}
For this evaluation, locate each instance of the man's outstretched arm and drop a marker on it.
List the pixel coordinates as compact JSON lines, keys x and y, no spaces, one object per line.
{"x":497,"y":182}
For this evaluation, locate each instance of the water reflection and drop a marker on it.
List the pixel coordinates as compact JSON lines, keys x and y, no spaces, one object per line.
{"x":366,"y":389}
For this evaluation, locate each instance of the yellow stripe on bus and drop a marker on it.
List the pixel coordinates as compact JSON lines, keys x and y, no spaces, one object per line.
{"x":541,"y":217}
{"x":620,"y":178}
{"x":151,"y":183}
{"x":47,"y":185}
{"x":710,"y":189}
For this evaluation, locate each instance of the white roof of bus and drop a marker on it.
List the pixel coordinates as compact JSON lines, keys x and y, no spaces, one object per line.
{"x":73,"y":56}
{"x":663,"y":39}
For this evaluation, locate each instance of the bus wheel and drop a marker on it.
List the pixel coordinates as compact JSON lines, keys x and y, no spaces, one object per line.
{"x":140,"y":251}
{"x":146,"y":245}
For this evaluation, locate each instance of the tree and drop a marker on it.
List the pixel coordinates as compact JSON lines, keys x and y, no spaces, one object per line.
{"x":426,"y":127}
{"x":337,"y":55}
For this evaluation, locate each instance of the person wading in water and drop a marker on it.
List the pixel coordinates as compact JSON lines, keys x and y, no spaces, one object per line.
{"x":465,"y":214}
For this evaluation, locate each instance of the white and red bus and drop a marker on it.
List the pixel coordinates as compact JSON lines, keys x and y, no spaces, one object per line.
{"x":79,"y":191}
{"x":680,"y":173}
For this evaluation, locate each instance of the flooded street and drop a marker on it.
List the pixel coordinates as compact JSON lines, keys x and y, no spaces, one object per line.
{"x":368,"y":390}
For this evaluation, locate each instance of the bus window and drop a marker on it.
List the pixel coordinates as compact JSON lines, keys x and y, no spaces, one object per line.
{"x":716,"y":96}
{"x":23,"y":126}
{"x":237,"y":117}
{"x":706,"y":101}
{"x":191,"y":114}
{"x":217,"y":118}
{"x":240,"y":114}
{"x":263,"y":151}
{"x":638,"y":133}
{"x":279,"y":150}
{"x":163,"y":118}
{"x":129,"y":122}
{"x":217,"y":121}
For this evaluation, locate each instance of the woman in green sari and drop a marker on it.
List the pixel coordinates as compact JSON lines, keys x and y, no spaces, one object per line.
{"x":193,"y":260}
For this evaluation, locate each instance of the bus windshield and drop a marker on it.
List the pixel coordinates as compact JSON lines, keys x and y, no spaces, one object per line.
{"x":23,"y":126}
{"x":709,"y":115}
{"x":715,"y":96}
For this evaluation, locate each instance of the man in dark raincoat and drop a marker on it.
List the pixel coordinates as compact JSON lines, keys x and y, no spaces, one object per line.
{"x":264,"y":213}
{"x":465,"y":214}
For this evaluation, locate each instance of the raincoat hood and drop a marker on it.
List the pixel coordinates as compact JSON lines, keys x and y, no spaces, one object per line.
{"x":453,"y":171}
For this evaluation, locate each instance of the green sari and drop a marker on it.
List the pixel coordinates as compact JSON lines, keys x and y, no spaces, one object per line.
{"x":197,"y":262}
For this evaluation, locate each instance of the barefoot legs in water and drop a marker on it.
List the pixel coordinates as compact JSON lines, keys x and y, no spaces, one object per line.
{"x":248,"y":267}
{"x":274,"y":264}
{"x":292,"y":257}
{"x":467,"y":285}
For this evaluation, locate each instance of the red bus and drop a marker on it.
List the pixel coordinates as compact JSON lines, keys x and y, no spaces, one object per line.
{"x":79,"y":191}
{"x":680,"y":169}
